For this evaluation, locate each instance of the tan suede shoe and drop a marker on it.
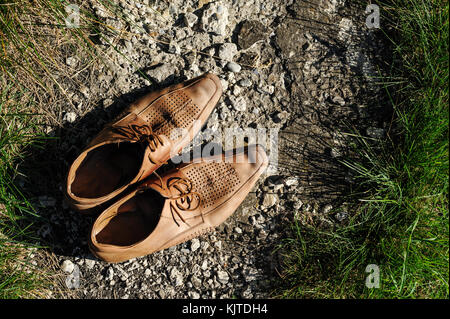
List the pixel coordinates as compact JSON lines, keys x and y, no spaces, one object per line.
{"x":139,"y":141}
{"x":182,"y":204}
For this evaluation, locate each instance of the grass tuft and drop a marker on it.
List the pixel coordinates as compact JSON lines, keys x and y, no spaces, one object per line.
{"x":18,"y":278}
{"x":400,"y":222}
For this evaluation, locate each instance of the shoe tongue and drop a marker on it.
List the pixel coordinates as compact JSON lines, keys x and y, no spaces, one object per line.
{"x":154,"y":183}
{"x":112,"y":134}
{"x":165,"y":184}
{"x":175,"y":204}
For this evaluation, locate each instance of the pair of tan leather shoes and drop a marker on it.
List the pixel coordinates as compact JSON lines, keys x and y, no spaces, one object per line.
{"x":156,"y":211}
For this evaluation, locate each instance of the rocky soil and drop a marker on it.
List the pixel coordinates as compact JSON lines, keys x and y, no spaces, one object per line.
{"x":306,"y":68}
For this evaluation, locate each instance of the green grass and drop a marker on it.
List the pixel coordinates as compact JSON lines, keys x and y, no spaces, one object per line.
{"x":401,"y":222}
{"x":34,"y":41}
{"x":27,"y":67}
{"x":18,"y":278}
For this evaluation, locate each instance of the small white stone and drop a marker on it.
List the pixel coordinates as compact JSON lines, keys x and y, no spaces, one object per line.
{"x":222,"y":276}
{"x":71,"y":61}
{"x":67,"y":266}
{"x":291,"y":181}
{"x":327,"y":209}
{"x":245,"y":83}
{"x":269,"y":89}
{"x":85,"y":91}
{"x":270,"y":200}
{"x":215,"y":18}
{"x":234,"y":67}
{"x":110,"y":273}
{"x":338,"y":99}
{"x":224,"y":84}
{"x":298,"y":204}
{"x":70,"y":117}
{"x":194,"y":68}
{"x":190,"y":19}
{"x":176,"y":276}
{"x":174,"y":48}
{"x":195,"y":244}
{"x":335,"y":152}
{"x":173,"y":10}
{"x":163,"y":71}
{"x":193,"y":295}
{"x":227,"y":51}
{"x":90,"y":263}
{"x":239,"y":103}
{"x":162,"y":293}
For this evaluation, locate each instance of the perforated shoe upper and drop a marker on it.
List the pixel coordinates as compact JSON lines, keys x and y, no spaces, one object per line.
{"x":150,"y":122}
{"x":198,"y":197}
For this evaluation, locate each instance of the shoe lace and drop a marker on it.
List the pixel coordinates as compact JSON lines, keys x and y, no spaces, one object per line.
{"x":184,"y":200}
{"x":143,"y":134}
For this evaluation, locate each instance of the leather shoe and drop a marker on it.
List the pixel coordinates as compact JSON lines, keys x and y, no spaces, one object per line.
{"x":184,"y":203}
{"x":140,"y":140}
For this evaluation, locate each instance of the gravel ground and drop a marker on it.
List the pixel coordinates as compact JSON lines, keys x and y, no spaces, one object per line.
{"x":305,"y":68}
